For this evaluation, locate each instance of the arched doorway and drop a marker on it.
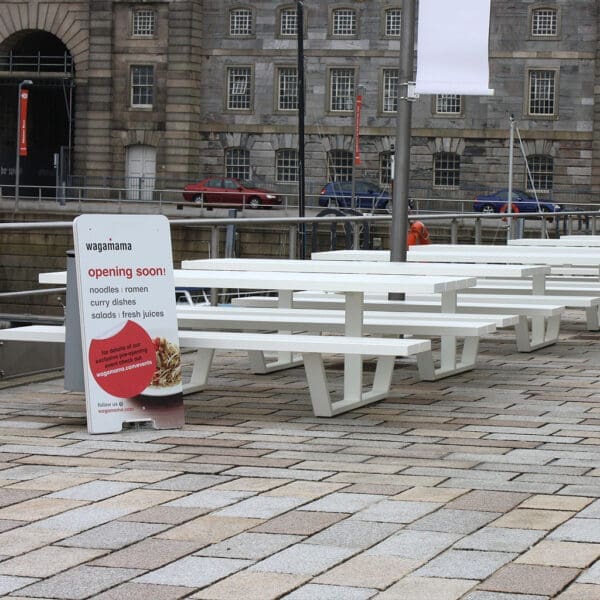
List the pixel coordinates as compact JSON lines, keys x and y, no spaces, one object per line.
{"x":42,"y":58}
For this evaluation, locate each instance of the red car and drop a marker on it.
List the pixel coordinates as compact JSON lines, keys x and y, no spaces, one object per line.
{"x":225,"y":191}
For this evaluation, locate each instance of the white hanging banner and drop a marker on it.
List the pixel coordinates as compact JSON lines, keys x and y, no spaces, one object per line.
{"x":452,"y":47}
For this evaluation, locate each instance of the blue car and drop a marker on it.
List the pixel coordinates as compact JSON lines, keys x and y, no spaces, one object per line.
{"x":369,"y":196}
{"x":521,"y":202}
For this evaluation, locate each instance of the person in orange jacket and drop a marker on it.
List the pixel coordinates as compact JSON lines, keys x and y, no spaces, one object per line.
{"x":418,"y":234}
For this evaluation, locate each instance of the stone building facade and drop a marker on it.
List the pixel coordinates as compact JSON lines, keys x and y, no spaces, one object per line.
{"x":167,"y":92}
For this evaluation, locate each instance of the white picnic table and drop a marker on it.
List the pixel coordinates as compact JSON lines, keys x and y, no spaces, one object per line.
{"x":537,"y":273}
{"x":552,"y":256}
{"x":306,"y":276}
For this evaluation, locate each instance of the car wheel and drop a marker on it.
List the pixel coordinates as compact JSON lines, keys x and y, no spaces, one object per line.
{"x":488,"y":209}
{"x":197,"y":199}
{"x":254,"y":202}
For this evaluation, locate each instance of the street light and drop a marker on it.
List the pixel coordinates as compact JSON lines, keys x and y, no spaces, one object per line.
{"x":301,"y":116}
{"x":18,"y":158}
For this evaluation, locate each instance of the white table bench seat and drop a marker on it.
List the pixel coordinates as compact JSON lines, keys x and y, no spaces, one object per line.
{"x":469,"y":328}
{"x":312,"y":348}
{"x":536,"y":325}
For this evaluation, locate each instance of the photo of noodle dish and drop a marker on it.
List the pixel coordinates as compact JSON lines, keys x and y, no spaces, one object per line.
{"x":167,"y":376}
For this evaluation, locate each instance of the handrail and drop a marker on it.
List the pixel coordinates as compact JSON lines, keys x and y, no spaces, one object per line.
{"x":216,"y":221}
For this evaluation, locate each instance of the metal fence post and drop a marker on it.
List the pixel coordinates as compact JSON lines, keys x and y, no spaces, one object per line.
{"x":454,"y":231}
{"x":292,"y":239}
{"x":478,"y":230}
{"x":214,"y":253}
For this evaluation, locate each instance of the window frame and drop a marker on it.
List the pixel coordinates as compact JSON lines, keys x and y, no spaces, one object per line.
{"x":528,"y":96}
{"x":230,"y":14}
{"x":279,"y":70}
{"x":385,"y":166}
{"x":133,"y":85}
{"x":329,"y":98}
{"x":346,"y":169}
{"x":548,"y":174}
{"x":292,"y":167}
{"x":435,"y":106}
{"x":228,"y":96}
{"x":333,"y":11}
{"x":227,"y":164}
{"x":385,"y":72}
{"x":531,"y":19}
{"x":448,"y":170}
{"x":135,"y":12}
{"x":384,"y":23}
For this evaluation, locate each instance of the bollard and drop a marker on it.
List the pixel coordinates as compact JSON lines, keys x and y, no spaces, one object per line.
{"x":73,"y":352}
{"x":454,"y":231}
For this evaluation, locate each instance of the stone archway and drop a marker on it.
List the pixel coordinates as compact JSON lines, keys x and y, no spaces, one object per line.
{"x":43,"y":59}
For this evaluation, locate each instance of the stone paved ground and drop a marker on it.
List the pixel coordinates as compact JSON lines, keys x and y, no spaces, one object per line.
{"x":484,"y":486}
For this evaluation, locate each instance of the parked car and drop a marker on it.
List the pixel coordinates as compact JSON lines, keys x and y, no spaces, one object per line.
{"x":226,"y":191}
{"x":521,"y":202}
{"x":369,"y":196}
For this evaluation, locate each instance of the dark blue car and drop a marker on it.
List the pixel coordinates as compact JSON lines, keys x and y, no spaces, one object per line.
{"x":521,"y":202}
{"x":369,"y":196}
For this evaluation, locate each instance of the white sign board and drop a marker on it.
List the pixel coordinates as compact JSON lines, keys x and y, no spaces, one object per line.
{"x":131,"y":356}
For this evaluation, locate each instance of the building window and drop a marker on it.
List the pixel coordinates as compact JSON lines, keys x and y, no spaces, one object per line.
{"x":544,"y":22}
{"x":286,"y":166}
{"x":393,"y":22}
{"x":541,"y":168}
{"x":343,"y":22}
{"x":542,"y":93}
{"x":143,"y":23}
{"x":339,"y":165}
{"x":448,"y":104}
{"x":446,"y":170}
{"x":240,"y":22}
{"x":341,"y":90}
{"x":142,"y":86}
{"x":288,"y":22}
{"x":239,"y":95}
{"x":287,"y":88}
{"x":237,"y":163}
{"x":390,"y":91}
{"x":386,"y":161}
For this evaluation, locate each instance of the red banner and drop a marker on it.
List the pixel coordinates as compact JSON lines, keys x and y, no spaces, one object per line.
{"x":23,"y":99}
{"x":357,"y":130}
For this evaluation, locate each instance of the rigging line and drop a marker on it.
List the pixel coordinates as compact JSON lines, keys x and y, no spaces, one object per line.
{"x":529,"y":175}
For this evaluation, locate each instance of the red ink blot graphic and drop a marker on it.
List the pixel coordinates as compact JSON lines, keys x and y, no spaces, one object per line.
{"x":123,"y":364}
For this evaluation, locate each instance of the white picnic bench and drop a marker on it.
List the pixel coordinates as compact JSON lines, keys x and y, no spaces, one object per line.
{"x":538,"y":325}
{"x":313,"y":346}
{"x":469,"y":328}
{"x":571,"y":297}
{"x":459,"y":339}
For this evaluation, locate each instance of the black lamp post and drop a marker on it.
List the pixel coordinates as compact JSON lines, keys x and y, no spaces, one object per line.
{"x":301,"y":114}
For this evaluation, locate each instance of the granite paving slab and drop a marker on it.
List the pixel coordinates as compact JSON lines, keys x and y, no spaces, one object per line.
{"x":482,"y":486}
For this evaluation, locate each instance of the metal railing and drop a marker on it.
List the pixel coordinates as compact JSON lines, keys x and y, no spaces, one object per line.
{"x":37,"y":63}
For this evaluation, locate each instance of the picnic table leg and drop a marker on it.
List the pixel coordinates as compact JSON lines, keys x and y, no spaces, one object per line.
{"x":353,"y":365}
{"x":203,"y":358}
{"x":448,"y":342}
{"x":285,"y":360}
